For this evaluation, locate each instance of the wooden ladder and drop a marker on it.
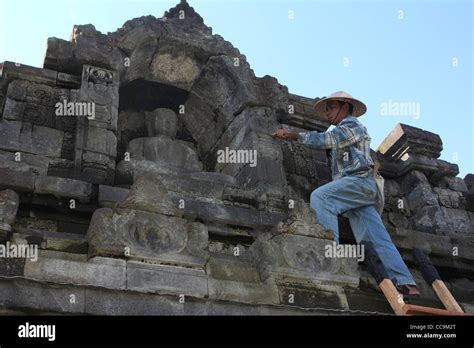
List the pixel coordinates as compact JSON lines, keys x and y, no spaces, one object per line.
{"x":431,"y":276}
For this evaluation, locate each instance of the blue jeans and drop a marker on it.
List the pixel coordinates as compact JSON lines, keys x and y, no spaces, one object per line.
{"x":355,"y":196}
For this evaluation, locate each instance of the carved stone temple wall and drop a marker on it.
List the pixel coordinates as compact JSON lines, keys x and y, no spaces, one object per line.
{"x":133,"y":212}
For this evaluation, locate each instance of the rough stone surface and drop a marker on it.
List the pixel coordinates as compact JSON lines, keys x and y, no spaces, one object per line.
{"x":9,"y":201}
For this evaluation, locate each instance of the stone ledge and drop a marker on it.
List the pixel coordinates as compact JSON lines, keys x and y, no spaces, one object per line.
{"x":62,"y":187}
{"x":60,"y":268}
{"x":31,"y":295}
{"x":57,"y":241}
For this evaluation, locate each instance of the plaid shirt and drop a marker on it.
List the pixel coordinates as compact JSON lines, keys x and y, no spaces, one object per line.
{"x":350,"y":147}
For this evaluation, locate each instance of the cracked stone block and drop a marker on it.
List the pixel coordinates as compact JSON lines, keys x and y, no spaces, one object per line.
{"x":308,"y":298}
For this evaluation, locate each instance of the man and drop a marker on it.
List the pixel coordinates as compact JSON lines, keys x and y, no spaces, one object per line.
{"x":353,"y":189}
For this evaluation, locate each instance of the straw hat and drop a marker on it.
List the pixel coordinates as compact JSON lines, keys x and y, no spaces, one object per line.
{"x":359,"y":108}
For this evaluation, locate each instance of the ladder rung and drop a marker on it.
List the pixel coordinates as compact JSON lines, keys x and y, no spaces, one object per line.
{"x":410,"y":309}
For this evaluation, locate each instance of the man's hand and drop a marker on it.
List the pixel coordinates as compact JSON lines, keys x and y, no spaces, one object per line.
{"x":285,"y":134}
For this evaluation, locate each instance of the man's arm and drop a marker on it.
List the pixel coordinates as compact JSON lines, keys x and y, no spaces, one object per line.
{"x":340,"y":136}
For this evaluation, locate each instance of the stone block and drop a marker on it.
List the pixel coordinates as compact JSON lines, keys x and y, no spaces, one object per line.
{"x":302,"y":259}
{"x":51,"y":240}
{"x":110,"y":195}
{"x":231,"y":268}
{"x":454,"y":183}
{"x":24,"y":162}
{"x":9,"y":202}
{"x":20,"y":181}
{"x":457,"y":220}
{"x":166,"y":279}
{"x":392,"y":188}
{"x":428,"y":219}
{"x":405,"y":139}
{"x":194,"y":187}
{"x":111,"y":231}
{"x":102,"y":141}
{"x":21,"y":293}
{"x":449,"y":198}
{"x":144,"y":235}
{"x":12,"y":71}
{"x":63,"y":187}
{"x":98,"y":271}
{"x":421,"y":196}
{"x":227,"y":214}
{"x":334,"y":298}
{"x":11,"y":267}
{"x":16,"y":136}
{"x":252,"y":293}
{"x":103,"y":118}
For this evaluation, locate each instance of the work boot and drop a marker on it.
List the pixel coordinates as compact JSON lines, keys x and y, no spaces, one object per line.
{"x":408,"y":290}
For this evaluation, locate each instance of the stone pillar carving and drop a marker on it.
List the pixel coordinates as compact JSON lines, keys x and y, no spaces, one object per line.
{"x":96,"y":142}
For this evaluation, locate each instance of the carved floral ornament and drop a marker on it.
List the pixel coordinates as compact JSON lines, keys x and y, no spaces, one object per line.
{"x":97,"y":75}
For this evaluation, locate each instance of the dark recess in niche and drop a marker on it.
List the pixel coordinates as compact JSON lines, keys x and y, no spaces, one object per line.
{"x":142,"y":95}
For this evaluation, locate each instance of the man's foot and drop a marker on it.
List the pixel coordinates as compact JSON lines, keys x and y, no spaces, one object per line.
{"x":407,"y":289}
